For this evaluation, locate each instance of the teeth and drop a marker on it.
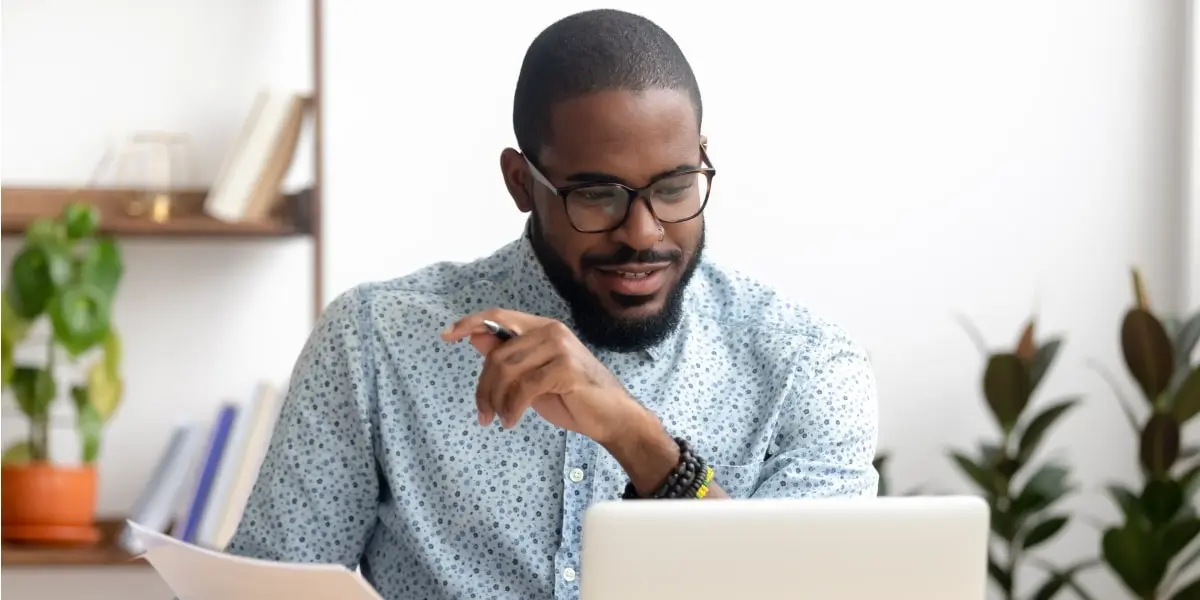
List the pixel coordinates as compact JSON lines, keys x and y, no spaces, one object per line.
{"x":631,"y":275}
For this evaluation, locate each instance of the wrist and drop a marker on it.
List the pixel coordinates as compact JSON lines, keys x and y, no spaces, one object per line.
{"x":644,"y":449}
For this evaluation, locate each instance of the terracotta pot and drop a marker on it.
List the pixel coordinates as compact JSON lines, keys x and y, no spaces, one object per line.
{"x":45,"y":503}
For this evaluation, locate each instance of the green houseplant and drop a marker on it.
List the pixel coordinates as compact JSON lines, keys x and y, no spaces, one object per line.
{"x":1157,"y":539}
{"x":1022,"y":494}
{"x":67,"y":275}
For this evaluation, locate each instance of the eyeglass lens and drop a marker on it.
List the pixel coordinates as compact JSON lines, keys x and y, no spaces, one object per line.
{"x":603,"y":206}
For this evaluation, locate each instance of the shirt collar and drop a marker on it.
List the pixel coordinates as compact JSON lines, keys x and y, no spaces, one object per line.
{"x":530,"y":291}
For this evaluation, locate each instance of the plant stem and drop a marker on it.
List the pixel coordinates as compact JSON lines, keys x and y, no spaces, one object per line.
{"x":39,"y":425}
{"x":39,"y":434}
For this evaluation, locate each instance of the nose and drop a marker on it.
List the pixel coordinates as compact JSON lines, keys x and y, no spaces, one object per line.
{"x":640,"y":230}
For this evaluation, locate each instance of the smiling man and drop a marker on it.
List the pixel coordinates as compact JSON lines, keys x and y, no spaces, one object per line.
{"x":446,"y":430}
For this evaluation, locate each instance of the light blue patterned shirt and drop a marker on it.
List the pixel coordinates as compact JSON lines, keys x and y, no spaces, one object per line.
{"x":378,"y":459}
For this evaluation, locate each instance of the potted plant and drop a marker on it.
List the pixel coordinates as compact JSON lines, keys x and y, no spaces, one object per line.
{"x":1022,"y":494}
{"x":1158,"y":539}
{"x":65,"y":275}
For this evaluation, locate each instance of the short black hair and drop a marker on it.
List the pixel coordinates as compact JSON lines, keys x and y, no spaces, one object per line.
{"x":593,"y":51}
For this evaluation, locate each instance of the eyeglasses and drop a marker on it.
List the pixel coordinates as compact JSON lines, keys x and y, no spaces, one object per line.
{"x":599,"y":207}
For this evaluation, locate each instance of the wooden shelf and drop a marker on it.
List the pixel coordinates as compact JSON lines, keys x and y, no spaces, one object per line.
{"x":105,"y":553}
{"x":20,"y":206}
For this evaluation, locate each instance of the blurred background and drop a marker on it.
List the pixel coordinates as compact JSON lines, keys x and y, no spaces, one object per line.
{"x":934,"y":175}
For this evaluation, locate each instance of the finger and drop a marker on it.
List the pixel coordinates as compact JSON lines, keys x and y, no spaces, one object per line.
{"x":517,"y":322}
{"x":520,"y":395}
{"x":485,"y":413}
{"x":507,"y":363}
{"x":473,"y":323}
{"x":485,"y":342}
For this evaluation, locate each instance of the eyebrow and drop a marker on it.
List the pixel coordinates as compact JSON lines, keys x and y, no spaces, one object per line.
{"x":597,"y":177}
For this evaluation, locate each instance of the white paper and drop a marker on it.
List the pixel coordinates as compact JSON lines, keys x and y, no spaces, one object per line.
{"x":195,"y":573}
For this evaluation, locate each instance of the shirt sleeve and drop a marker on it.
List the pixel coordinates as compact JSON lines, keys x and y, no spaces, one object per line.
{"x":317,"y":493}
{"x":828,"y":426}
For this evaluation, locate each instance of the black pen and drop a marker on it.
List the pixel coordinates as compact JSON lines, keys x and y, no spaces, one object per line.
{"x":498,"y":330}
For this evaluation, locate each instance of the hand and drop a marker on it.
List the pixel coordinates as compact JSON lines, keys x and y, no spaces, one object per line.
{"x":545,"y":368}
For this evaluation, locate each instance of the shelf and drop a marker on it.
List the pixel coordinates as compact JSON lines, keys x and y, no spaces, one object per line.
{"x":20,"y":206}
{"x":105,"y":553}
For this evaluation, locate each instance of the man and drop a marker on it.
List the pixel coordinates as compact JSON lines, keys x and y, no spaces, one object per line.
{"x":451,"y":461}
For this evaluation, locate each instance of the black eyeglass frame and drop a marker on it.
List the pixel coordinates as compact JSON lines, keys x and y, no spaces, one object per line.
{"x":633,"y":193}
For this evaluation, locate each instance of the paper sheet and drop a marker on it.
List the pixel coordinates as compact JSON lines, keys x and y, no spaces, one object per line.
{"x":195,"y":573}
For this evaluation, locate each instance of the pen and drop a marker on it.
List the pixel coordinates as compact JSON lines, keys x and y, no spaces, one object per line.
{"x":498,"y":330}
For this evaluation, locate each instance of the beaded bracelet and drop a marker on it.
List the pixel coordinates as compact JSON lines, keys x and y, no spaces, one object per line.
{"x":690,"y":478}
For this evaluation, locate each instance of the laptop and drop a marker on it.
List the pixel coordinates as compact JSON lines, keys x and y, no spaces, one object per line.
{"x":899,"y":548}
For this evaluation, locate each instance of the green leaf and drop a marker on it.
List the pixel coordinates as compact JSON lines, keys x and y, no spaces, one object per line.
{"x":113,"y":352}
{"x":1006,"y":388}
{"x":81,"y":219}
{"x":7,"y":365}
{"x":44,"y":231}
{"x":1122,"y":400}
{"x":1002,"y":524}
{"x":18,"y":453}
{"x":1186,"y":403}
{"x":1190,"y":480}
{"x":1191,"y":559}
{"x":102,"y":266}
{"x":1161,"y":500}
{"x":985,"y":479}
{"x":1131,"y":555}
{"x":1000,"y":576}
{"x":1043,"y":531}
{"x":34,"y":390}
{"x":32,"y":278}
{"x":1128,"y":502}
{"x":79,"y":315}
{"x":1064,"y":577}
{"x":1047,"y":485}
{"x":1148,"y":352}
{"x":1052,"y":586}
{"x":13,"y":327}
{"x":104,"y":391}
{"x":1190,"y":591}
{"x":1042,"y":362}
{"x":1186,"y":339}
{"x":1178,"y":535}
{"x":1037,"y":428}
{"x":1160,"y":444}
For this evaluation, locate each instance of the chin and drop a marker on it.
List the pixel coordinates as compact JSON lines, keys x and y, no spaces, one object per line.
{"x":635,"y":315}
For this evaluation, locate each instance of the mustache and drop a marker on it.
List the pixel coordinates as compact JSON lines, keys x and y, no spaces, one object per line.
{"x":625,"y":255}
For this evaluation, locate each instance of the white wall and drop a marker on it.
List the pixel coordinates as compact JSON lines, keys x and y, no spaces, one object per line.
{"x":203,"y":321}
{"x":889,"y":163}
{"x":940,"y":156}
{"x":1191,"y":241}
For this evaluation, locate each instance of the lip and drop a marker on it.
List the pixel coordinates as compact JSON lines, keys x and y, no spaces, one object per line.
{"x":612,"y":277}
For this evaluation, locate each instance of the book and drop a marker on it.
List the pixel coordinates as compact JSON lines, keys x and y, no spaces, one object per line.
{"x":249,"y":182}
{"x":196,"y":573}
{"x":155,"y":507}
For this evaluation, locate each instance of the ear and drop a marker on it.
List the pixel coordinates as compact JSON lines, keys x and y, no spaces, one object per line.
{"x":704,"y":141}
{"x":516,"y":179}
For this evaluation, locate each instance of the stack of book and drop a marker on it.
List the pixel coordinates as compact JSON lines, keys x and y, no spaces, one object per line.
{"x":200,"y":485}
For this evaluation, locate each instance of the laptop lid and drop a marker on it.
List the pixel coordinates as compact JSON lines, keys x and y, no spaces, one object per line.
{"x":919,"y":548}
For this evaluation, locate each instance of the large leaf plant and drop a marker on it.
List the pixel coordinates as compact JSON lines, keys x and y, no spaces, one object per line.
{"x":67,"y":274}
{"x":1023,"y":494}
{"x":1159,"y":536}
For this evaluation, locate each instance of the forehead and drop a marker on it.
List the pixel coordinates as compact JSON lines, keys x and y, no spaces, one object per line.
{"x":633,"y":135}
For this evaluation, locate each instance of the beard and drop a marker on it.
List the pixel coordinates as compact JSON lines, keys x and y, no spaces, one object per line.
{"x":595,"y":324}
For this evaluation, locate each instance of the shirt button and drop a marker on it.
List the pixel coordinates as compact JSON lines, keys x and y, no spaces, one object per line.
{"x":576,"y":475}
{"x":569,"y":574}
